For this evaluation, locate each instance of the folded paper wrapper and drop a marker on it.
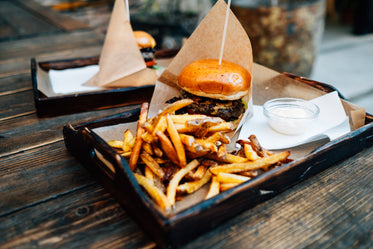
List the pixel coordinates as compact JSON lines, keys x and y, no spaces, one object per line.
{"x":121,"y":63}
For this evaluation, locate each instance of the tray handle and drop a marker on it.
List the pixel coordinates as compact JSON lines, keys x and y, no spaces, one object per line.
{"x":93,"y":151}
{"x":316,"y":84}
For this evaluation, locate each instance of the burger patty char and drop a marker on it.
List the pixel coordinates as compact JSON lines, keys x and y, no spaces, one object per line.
{"x":229,"y":110}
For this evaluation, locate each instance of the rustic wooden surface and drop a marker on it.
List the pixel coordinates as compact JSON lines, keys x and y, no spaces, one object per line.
{"x":49,"y":200}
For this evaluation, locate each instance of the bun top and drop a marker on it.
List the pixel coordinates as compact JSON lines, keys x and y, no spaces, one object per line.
{"x":144,"y":39}
{"x":206,"y":78}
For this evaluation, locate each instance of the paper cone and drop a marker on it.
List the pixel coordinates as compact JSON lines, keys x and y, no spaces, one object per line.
{"x":121,"y":63}
{"x":205,"y":42}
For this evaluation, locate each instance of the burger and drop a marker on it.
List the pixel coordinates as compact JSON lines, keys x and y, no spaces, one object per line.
{"x":146,"y":45}
{"x":217,"y":90}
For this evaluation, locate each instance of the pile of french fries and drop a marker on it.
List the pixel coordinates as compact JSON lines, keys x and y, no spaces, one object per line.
{"x":176,"y":154}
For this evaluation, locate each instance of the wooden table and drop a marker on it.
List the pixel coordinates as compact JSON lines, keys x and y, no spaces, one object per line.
{"x":49,"y":200}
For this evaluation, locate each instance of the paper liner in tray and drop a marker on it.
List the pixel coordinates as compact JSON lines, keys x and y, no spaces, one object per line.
{"x":193,"y":214}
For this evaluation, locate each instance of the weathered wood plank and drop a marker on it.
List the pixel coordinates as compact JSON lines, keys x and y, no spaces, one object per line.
{"x":14,"y":84}
{"x":13,"y":105}
{"x":86,"y":218}
{"x":50,"y":171}
{"x":49,"y":15}
{"x":44,"y":44}
{"x":15,"y":66}
{"x":22,"y":21}
{"x":38,"y":131}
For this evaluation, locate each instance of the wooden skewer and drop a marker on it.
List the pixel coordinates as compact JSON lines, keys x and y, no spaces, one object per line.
{"x":224,"y":32}
{"x":128,"y":10}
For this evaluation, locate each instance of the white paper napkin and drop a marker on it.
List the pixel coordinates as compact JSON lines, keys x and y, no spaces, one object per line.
{"x":332,"y":123}
{"x":71,"y":80}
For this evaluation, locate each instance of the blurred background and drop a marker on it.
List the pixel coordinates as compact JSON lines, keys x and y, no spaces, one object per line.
{"x":326,"y":40}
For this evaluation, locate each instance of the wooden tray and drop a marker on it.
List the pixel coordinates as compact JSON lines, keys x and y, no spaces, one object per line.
{"x":172,"y":230}
{"x":87,"y":101}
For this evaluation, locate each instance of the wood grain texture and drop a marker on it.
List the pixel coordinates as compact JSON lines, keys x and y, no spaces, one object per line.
{"x":54,"y":18}
{"x":15,"y":130}
{"x":22,"y":22}
{"x":85,"y":218}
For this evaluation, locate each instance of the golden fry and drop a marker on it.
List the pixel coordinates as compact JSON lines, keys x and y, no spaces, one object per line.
{"x":230,"y":158}
{"x":128,"y":141}
{"x":214,"y":188}
{"x":115,"y":144}
{"x":149,"y":174}
{"x":250,"y":153}
{"x":171,"y":189}
{"x":175,"y":138}
{"x":152,"y":164}
{"x":228,"y":177}
{"x":190,"y":187}
{"x":158,"y":196}
{"x":251,"y":165}
{"x":167,"y":147}
{"x":138,"y":142}
{"x":147,"y":147}
{"x":227,"y":185}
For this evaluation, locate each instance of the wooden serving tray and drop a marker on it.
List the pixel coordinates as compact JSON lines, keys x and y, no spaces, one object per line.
{"x":179,"y":227}
{"x":87,"y":101}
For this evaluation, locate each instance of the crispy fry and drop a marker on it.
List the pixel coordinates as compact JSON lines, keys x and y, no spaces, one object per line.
{"x":161,"y":125}
{"x":167,"y":147}
{"x":171,"y":189}
{"x":230,"y":158}
{"x":224,"y":127}
{"x":251,"y":165}
{"x":218,"y":136}
{"x":257,"y":147}
{"x":158,"y":196}
{"x":126,"y":154}
{"x":222,"y":152}
{"x":149,"y":174}
{"x":115,"y":144}
{"x":250,"y":153}
{"x":214,"y":188}
{"x":151,"y":123}
{"x":175,"y":138}
{"x":157,"y":151}
{"x":199,"y":173}
{"x":190,"y":187}
{"x":128,"y":141}
{"x":182,"y":119}
{"x":228,"y":177}
{"x":138,"y":142}
{"x":152,"y":164}
{"x":227,"y":185}
{"x":147,"y":147}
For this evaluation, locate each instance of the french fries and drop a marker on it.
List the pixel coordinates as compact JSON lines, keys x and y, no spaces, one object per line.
{"x":176,"y":154}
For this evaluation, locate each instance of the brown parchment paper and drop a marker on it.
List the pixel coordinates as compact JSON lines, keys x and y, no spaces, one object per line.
{"x":121,"y":63}
{"x":205,"y":42}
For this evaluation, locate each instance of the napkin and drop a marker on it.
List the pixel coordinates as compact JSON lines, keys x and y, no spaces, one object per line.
{"x":332,"y":123}
{"x":121,"y":63}
{"x":71,"y":80}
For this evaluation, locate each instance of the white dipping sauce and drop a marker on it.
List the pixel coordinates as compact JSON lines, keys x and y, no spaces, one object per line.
{"x":290,"y":120}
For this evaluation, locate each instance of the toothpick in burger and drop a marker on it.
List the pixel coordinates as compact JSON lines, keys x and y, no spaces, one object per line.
{"x":146,"y":43}
{"x":217,"y":90}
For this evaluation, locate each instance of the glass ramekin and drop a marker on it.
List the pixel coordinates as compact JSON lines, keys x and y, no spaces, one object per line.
{"x":290,"y":116}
